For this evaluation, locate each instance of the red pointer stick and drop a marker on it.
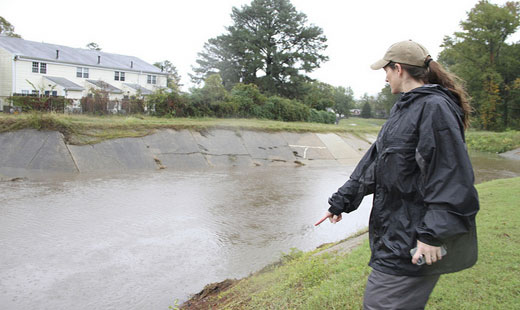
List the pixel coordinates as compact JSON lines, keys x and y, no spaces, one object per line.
{"x":321,"y":221}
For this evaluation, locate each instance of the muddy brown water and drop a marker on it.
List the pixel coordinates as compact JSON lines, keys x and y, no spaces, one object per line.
{"x":141,"y":241}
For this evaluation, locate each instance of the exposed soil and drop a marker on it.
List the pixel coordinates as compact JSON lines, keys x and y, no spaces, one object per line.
{"x":202,"y":299}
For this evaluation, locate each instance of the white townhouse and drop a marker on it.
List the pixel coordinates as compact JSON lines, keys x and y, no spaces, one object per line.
{"x":28,"y":67}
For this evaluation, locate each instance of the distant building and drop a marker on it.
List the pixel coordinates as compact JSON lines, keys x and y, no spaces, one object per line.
{"x":355,"y":112}
{"x":28,"y":67}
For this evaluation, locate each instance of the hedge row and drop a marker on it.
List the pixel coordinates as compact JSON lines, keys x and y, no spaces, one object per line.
{"x":243,"y":101}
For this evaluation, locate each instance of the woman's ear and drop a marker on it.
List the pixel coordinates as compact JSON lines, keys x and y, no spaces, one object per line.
{"x":398,"y":68}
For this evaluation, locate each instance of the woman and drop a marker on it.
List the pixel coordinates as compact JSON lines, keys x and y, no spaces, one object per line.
{"x":422,"y":180}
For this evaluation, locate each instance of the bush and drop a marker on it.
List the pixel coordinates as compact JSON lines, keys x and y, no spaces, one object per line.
{"x":328,"y":117}
{"x":248,"y":99}
{"x":163,"y":103}
{"x":496,"y":142}
{"x":133,"y":105}
{"x":322,"y":117}
{"x":224,"y":108}
{"x":96,"y":102}
{"x":287,"y":110}
{"x":36,"y":103}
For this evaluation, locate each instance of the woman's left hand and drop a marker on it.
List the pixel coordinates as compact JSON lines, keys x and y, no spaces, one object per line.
{"x":431,"y":253}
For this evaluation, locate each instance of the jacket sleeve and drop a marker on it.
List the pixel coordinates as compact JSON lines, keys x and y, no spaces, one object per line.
{"x":361,"y":183}
{"x":449,"y":193}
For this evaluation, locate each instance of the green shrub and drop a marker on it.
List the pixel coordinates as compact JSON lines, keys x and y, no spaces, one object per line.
{"x":248,"y":99}
{"x":322,"y":117}
{"x":224,"y":108}
{"x":328,"y":117}
{"x":163,"y":103}
{"x":288,"y":110}
{"x":37,"y":103}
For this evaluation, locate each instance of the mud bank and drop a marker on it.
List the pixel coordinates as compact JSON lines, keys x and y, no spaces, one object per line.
{"x":31,"y":153}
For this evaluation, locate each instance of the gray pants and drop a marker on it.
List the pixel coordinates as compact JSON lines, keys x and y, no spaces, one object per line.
{"x":389,"y":292}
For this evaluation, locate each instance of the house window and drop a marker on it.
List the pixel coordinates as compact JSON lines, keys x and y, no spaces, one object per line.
{"x":49,"y":93}
{"x":82,"y":72}
{"x":152,"y":79}
{"x":35,"y":92}
{"x":25,"y":92}
{"x":39,"y":67}
{"x":119,"y":76}
{"x":43,"y":67}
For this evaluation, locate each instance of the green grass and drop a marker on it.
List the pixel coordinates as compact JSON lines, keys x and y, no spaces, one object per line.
{"x":328,"y":281}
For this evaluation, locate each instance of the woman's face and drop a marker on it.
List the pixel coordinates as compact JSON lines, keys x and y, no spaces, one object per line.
{"x":392,"y":78}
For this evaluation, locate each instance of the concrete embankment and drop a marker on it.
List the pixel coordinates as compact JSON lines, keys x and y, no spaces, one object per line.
{"x":31,"y":153}
{"x":513,"y":154}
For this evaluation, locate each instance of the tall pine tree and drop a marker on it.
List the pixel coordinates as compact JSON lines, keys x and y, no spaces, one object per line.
{"x":269,"y":44}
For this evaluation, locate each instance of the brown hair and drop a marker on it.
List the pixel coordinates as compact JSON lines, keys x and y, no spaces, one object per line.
{"x":434,"y":73}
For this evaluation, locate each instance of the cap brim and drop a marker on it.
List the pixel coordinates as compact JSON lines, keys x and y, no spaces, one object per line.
{"x":379,"y":64}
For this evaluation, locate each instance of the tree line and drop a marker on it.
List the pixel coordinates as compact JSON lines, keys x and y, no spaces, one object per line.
{"x":259,"y":68}
{"x":490,"y":66}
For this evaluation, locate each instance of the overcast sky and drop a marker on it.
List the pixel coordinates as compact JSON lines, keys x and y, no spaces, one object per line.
{"x":358,"y":32}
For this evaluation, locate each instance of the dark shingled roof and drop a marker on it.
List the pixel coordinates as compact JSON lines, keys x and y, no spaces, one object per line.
{"x":63,"y":82}
{"x":78,"y":56}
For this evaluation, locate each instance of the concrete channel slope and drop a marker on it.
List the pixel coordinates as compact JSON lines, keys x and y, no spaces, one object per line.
{"x":29,"y":153}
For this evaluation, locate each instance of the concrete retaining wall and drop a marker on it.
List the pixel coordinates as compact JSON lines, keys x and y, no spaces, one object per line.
{"x":28,"y":153}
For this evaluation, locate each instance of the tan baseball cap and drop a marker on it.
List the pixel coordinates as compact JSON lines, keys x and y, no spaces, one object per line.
{"x":404,"y":52}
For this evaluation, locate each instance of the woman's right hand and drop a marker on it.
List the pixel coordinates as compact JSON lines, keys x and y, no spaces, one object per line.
{"x":332,"y":218}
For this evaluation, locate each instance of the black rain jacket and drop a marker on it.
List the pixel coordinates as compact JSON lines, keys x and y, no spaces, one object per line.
{"x":423,"y":184}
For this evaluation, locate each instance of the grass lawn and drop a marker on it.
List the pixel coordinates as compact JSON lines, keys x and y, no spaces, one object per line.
{"x":305,"y":281}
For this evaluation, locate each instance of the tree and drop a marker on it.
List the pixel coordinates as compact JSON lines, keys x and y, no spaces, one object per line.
{"x":7,"y":29}
{"x":480,"y":55}
{"x":366,"y":110}
{"x":173,"y":79}
{"x":269,"y":44}
{"x":343,"y":100}
{"x":320,"y":96}
{"x":384,"y":101}
{"x":93,"y":46}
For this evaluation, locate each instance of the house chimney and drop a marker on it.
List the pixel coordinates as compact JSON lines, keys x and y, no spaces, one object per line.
{"x":131,"y":64}
{"x":57,"y":54}
{"x":99,"y":59}
{"x":162,"y":68}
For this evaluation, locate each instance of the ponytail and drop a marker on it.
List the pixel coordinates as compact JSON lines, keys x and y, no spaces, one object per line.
{"x":438,"y":75}
{"x":434,"y":73}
